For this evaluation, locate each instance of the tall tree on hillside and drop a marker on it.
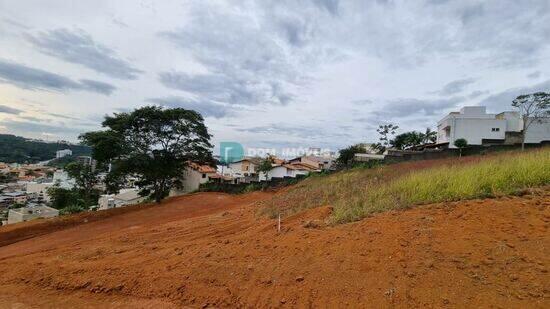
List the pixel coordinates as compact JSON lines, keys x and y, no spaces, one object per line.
{"x":266,"y":165}
{"x":408,"y":140}
{"x":346,"y":155}
{"x":386,"y":132}
{"x":86,"y":179}
{"x":533,"y":108}
{"x":153,"y":144}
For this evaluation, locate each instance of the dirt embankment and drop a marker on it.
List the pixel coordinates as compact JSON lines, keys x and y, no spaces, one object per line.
{"x":211,"y":250}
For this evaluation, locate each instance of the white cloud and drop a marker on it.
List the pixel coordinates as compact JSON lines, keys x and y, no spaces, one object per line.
{"x":300,"y":69}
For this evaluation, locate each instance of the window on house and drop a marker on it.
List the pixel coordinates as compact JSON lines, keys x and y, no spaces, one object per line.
{"x":203,"y":175}
{"x":495,"y":129}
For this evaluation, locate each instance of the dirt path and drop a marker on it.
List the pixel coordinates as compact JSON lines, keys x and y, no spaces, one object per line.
{"x":211,"y":250}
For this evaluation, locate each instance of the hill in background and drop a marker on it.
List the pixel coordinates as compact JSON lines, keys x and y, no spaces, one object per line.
{"x":16,"y":149}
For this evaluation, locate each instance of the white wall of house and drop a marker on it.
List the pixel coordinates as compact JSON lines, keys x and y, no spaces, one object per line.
{"x":538,"y":131}
{"x":243,"y":168}
{"x":301,"y":172}
{"x":39,"y":189}
{"x":474,"y":124}
{"x":191,"y":182}
{"x":280,"y":172}
{"x":474,"y":130}
{"x":277,"y":172}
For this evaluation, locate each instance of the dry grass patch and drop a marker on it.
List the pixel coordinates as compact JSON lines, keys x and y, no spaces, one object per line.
{"x":358,"y":193}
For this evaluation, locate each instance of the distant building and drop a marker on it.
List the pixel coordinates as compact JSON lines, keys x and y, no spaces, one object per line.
{"x":17,"y":197}
{"x":62,"y":179}
{"x":126,"y":197}
{"x":314,"y":162}
{"x":87,"y":160}
{"x":31,"y":213}
{"x":63,"y":153}
{"x":244,"y":170}
{"x":479,"y":128}
{"x":39,"y":190}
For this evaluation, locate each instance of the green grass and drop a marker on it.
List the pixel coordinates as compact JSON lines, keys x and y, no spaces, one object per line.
{"x":358,"y":193}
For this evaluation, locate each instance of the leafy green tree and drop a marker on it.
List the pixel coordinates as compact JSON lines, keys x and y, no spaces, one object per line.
{"x":386,"y":132}
{"x":429,"y":136}
{"x":461,"y":143}
{"x":62,"y":198}
{"x":533,"y":108}
{"x":86,"y":180}
{"x":152,"y":143}
{"x":16,"y":205}
{"x":407,"y":140}
{"x":347,"y":155}
{"x":413,"y":139}
{"x":266,"y":165}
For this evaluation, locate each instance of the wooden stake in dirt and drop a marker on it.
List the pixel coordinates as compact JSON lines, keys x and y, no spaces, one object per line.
{"x":279,"y":224}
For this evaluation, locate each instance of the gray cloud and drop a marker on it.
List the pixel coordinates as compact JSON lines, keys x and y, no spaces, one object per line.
{"x":14,"y":23}
{"x":247,"y":63}
{"x":207,"y":109}
{"x":35,"y":79}
{"x":411,"y":107}
{"x":455,"y":87}
{"x":62,"y":116}
{"x":477,"y":93}
{"x":362,"y":102}
{"x":96,"y":86}
{"x":9,"y":110}
{"x":502,"y":101}
{"x":466,"y":29}
{"x":224,"y":88}
{"x":79,"y":47}
{"x":36,"y":127}
{"x":534,"y":75}
{"x":330,"y":5}
{"x":34,"y":119}
{"x":302,"y":131}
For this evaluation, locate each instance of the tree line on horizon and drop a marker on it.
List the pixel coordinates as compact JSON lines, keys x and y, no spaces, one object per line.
{"x":17,"y":149}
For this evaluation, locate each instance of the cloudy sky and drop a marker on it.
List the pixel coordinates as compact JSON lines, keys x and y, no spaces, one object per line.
{"x":321,"y":73}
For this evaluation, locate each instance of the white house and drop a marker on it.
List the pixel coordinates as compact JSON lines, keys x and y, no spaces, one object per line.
{"x":479,"y":128}
{"x":285,"y":171}
{"x":63,"y":153}
{"x":194,"y":175}
{"x":245,"y":167}
{"x":244,"y":170}
{"x":39,"y":190}
{"x":126,"y":197}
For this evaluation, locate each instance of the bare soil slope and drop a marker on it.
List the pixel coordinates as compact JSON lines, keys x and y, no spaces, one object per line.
{"x":212,"y":250}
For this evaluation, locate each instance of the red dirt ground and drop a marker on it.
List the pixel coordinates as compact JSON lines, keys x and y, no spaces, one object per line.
{"x":211,"y":250}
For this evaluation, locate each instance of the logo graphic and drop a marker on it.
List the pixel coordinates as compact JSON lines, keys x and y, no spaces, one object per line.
{"x":231,"y":152}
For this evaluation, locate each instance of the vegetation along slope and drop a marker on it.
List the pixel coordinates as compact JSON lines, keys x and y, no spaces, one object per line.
{"x":362,"y":191}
